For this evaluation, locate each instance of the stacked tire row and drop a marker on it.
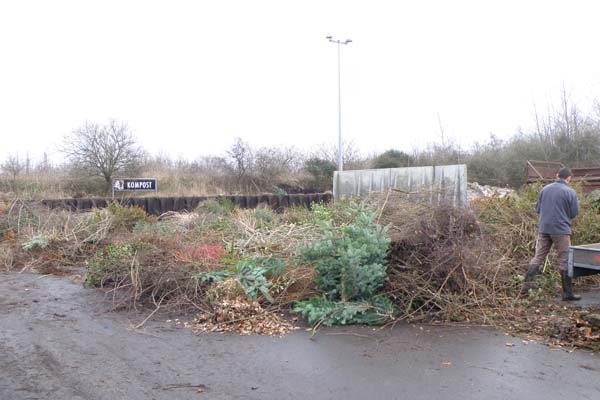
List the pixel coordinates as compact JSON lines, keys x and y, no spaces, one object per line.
{"x":160,"y":205}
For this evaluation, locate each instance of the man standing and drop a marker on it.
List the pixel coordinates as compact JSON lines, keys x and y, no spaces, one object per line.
{"x":556,"y":207}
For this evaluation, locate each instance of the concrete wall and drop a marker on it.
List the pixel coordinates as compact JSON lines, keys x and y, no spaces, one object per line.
{"x":160,"y":205}
{"x":445,"y":181}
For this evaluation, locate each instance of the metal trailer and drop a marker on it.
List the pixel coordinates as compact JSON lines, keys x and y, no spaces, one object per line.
{"x":584,"y":260}
{"x":545,"y":171}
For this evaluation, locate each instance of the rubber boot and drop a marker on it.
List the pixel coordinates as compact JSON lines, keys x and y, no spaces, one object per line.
{"x":532,"y":271}
{"x":567,"y":284}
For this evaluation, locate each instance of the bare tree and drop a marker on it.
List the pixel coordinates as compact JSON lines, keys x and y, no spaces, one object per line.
{"x":27,"y":164}
{"x":241,"y":163}
{"x":45,"y":165}
{"x":242,"y":158}
{"x":13,"y":166}
{"x":353,"y":159}
{"x":103,"y":150}
{"x":274,"y":165}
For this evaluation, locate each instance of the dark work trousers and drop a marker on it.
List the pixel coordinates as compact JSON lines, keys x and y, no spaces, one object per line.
{"x":543,"y":245}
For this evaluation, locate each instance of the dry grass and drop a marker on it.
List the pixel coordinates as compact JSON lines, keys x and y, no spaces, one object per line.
{"x":275,"y":237}
{"x":49,"y":241}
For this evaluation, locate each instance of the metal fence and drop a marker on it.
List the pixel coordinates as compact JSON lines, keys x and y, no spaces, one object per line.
{"x":447,"y":182}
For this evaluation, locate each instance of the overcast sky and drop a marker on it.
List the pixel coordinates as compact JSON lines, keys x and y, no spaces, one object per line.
{"x":189,"y":76}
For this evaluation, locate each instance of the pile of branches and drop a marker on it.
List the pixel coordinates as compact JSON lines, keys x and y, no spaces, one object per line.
{"x":468,"y":264}
{"x":171,"y":262}
{"x":142,"y":270}
{"x":443,"y":263}
{"x":241,"y":269}
{"x":34,"y":238}
{"x":462,"y":263}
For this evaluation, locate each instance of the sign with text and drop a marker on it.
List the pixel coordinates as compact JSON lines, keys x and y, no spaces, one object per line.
{"x":136,"y":184}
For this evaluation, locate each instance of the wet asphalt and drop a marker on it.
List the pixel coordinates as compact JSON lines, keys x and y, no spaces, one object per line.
{"x":59,"y":340}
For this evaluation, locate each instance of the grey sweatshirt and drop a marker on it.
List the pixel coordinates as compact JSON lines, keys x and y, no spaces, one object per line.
{"x":557,"y":206}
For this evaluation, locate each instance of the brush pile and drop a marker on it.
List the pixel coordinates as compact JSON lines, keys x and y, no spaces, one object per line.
{"x":233,"y":266}
{"x":393,"y":257}
{"x":443,"y":263}
{"x":468,"y":264}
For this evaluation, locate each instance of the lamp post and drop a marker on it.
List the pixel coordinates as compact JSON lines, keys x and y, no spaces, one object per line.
{"x":340,"y":148}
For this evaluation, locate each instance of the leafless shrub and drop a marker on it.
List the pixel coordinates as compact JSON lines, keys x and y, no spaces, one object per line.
{"x":102,"y":150}
{"x":13,"y":166}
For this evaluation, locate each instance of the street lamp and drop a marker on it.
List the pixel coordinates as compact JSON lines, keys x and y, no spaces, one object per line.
{"x":340,"y":149}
